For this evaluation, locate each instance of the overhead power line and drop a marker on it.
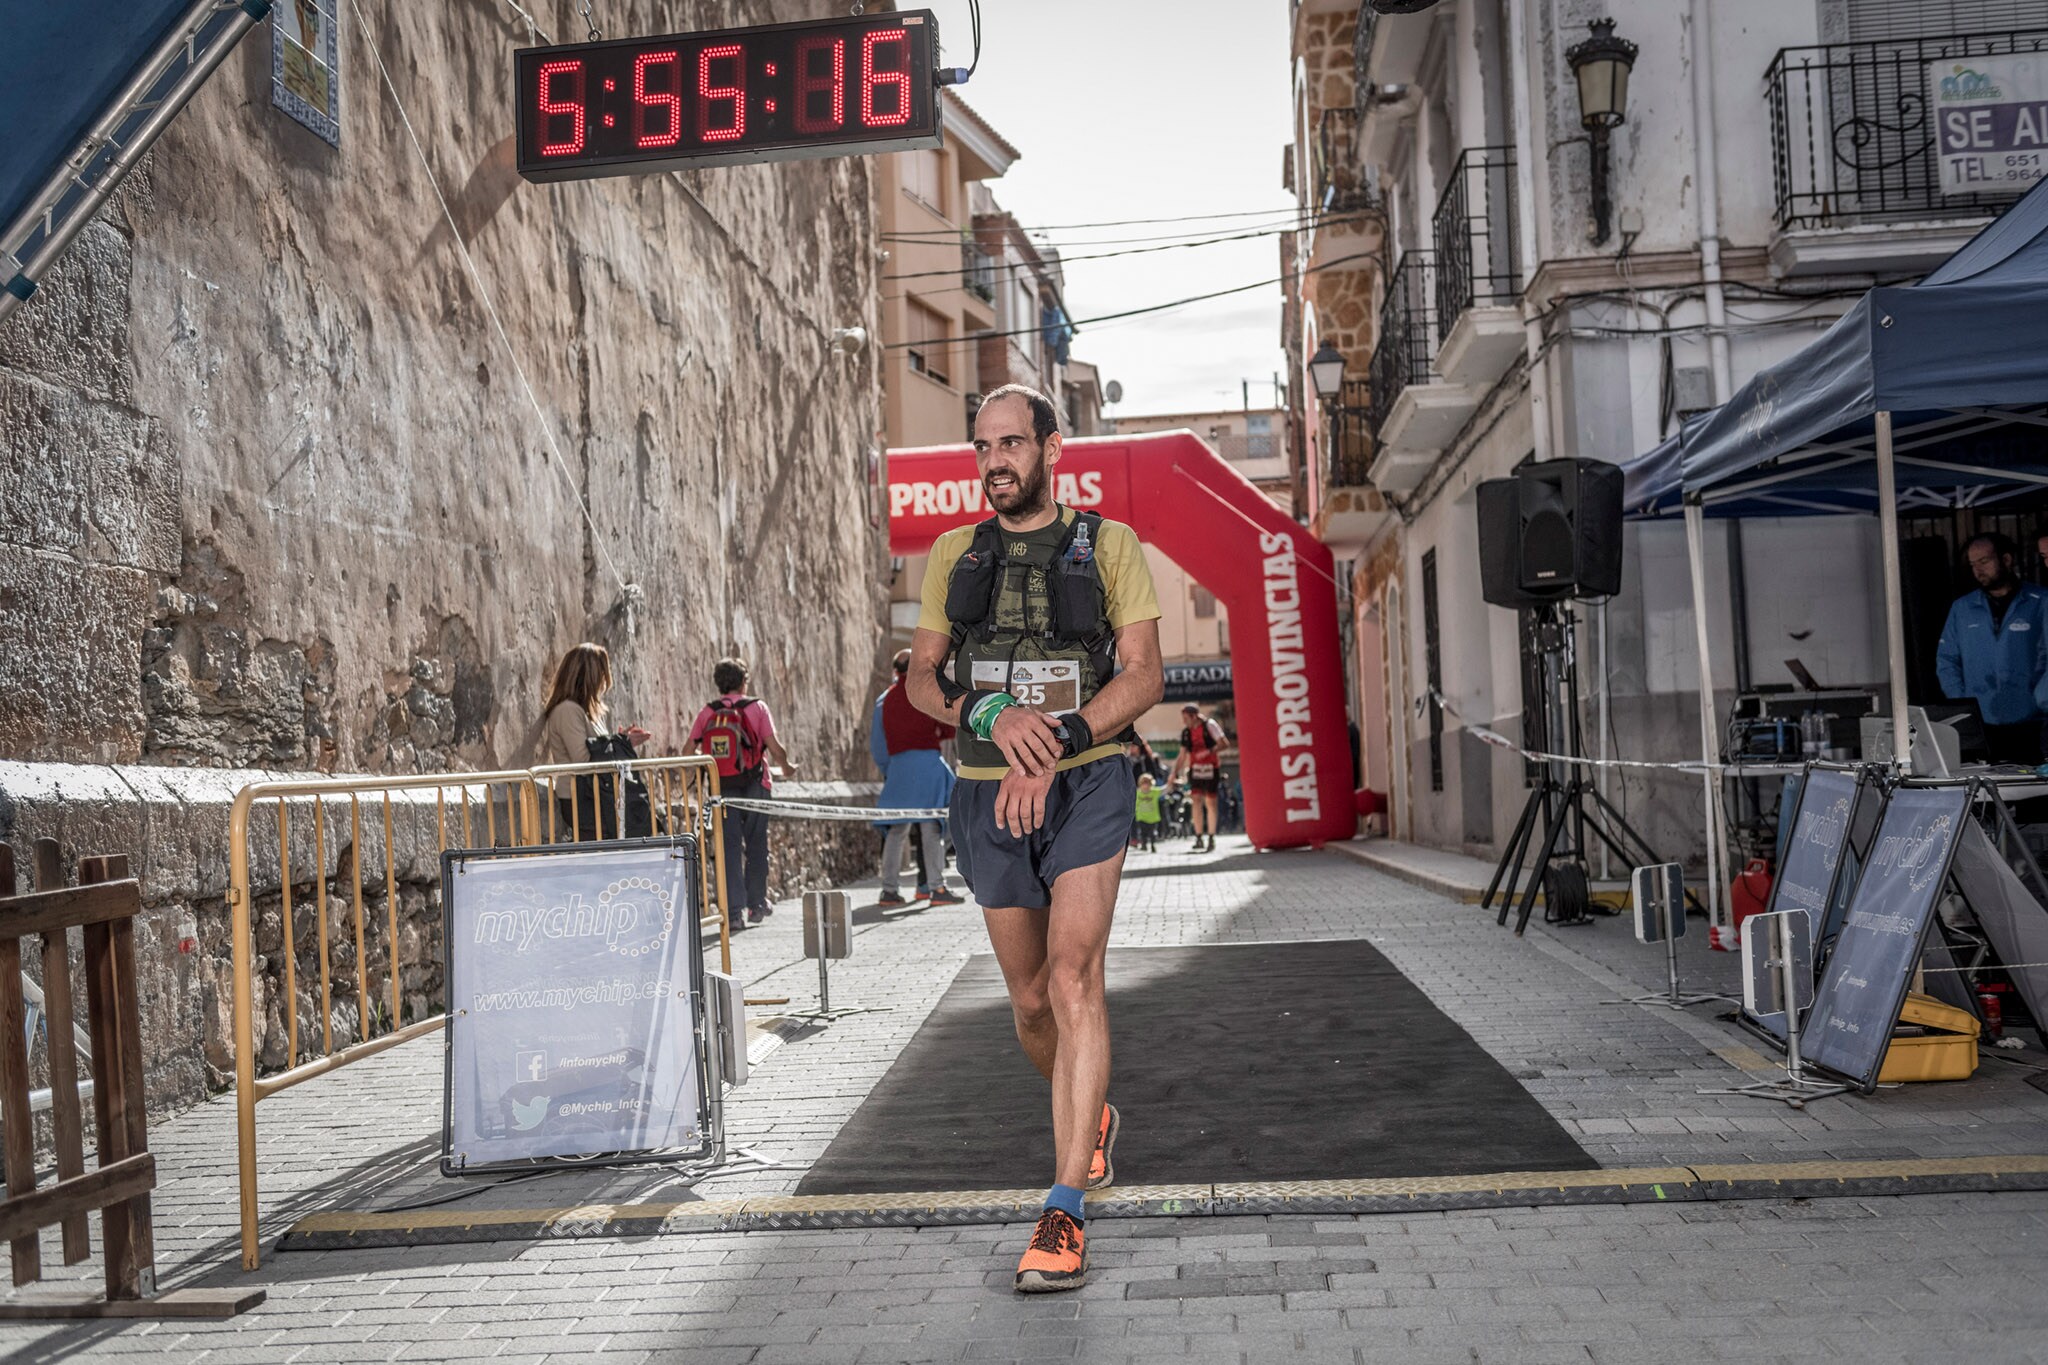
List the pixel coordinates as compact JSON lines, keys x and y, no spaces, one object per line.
{"x":1096,"y":256}
{"x":1290,"y":223}
{"x":1148,"y":222}
{"x":1078,"y":323}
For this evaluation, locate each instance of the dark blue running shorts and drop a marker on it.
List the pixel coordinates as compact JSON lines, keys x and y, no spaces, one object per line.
{"x":1087,"y":821}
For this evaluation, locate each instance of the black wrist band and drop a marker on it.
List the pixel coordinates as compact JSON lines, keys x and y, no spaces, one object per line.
{"x":1075,"y":735}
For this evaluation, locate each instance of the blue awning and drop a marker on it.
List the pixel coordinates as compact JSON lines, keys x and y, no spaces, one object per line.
{"x":1960,"y":361}
{"x":60,"y":64}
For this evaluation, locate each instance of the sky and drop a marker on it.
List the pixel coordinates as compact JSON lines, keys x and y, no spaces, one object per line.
{"x":1128,"y":109}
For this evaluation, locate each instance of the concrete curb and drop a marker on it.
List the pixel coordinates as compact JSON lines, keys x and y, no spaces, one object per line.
{"x":1508,"y":1190}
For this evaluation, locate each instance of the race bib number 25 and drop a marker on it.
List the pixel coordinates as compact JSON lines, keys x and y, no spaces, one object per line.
{"x":1053,"y":686}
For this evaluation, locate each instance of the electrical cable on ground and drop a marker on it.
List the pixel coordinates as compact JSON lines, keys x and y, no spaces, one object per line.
{"x":484,"y":294}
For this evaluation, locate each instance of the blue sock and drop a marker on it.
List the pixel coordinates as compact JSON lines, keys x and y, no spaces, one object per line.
{"x":1067,"y":1200}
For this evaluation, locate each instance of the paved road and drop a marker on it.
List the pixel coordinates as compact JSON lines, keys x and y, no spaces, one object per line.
{"x":1930,"y":1278}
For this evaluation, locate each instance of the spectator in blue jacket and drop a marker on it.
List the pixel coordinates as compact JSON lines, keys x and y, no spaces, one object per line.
{"x":1994,"y":649}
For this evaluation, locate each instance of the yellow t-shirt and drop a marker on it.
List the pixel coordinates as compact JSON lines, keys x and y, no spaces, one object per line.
{"x":1127,"y":593}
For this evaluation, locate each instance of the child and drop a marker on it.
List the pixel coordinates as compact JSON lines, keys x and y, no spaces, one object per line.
{"x":1148,"y":813}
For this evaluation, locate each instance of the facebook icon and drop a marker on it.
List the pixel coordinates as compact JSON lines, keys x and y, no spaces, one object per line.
{"x":532,"y":1066}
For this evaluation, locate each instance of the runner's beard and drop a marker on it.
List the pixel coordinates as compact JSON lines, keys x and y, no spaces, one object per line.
{"x":1027,"y":497}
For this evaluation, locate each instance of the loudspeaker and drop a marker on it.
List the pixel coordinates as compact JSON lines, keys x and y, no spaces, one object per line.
{"x":1500,"y":547}
{"x":1569,"y":516}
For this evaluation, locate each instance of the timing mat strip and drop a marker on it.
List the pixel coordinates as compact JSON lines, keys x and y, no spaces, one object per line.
{"x":1429,"y":1194}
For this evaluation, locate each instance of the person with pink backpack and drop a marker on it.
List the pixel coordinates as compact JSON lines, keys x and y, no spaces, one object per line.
{"x":737,"y":731}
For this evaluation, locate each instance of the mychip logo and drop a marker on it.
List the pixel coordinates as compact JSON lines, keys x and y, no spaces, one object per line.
{"x":633,"y":916}
{"x":1962,"y":83}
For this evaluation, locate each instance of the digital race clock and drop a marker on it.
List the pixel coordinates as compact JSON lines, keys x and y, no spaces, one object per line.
{"x":830,"y":87}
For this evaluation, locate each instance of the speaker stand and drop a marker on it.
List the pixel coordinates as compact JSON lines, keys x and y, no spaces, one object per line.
{"x":1569,"y":808}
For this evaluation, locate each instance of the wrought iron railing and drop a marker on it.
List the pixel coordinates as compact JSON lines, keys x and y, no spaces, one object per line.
{"x":1477,"y":261}
{"x":978,"y":272}
{"x":1853,"y":133}
{"x":1347,"y":450}
{"x":1361,"y":57}
{"x":1408,"y":336}
{"x":1341,"y":186}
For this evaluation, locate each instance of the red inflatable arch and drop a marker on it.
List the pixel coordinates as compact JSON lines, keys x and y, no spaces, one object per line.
{"x":1277,"y":581}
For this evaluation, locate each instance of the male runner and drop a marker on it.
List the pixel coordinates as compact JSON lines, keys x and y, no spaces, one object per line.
{"x":1201,"y":765}
{"x":1052,"y":626}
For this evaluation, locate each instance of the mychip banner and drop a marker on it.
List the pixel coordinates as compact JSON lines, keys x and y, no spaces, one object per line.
{"x":572,"y":1004}
{"x":1864,"y":984}
{"x":1814,"y":846}
{"x":1990,"y":121}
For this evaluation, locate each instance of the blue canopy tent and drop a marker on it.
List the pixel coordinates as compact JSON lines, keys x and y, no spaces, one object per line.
{"x":1931,"y":394}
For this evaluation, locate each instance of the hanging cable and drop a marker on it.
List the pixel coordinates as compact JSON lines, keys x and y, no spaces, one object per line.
{"x":1077,"y":324}
{"x":960,"y":75}
{"x":483,"y":293}
{"x":1152,"y":222}
{"x":1014,"y":266}
{"x":1279,"y":222}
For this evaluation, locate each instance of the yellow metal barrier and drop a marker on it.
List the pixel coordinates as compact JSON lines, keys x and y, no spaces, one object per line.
{"x":680,"y":795}
{"x":515,"y":808}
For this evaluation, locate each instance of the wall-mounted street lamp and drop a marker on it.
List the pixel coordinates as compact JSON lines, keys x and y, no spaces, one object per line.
{"x":1602,"y":63}
{"x":1326,"y":372}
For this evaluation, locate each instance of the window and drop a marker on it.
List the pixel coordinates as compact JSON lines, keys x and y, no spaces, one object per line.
{"x":924,"y":178}
{"x":1882,"y":20}
{"x":1205,"y":602}
{"x":929,"y":348}
{"x":1433,"y":664}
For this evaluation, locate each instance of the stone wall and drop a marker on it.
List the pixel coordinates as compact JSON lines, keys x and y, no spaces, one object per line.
{"x":275,"y":494}
{"x":272,"y":492}
{"x":173,"y":823}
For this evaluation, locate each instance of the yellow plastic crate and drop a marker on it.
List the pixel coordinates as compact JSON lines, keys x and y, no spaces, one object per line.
{"x":1947,"y":1053}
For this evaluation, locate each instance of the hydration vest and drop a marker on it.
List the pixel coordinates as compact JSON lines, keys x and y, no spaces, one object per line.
{"x":1045,"y":603}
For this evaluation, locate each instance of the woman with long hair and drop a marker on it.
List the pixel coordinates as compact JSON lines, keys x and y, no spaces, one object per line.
{"x":575,"y":715}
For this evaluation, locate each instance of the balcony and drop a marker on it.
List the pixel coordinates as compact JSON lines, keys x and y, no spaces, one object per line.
{"x":1856,"y":175}
{"x":1352,"y":511}
{"x":1340,"y":180}
{"x":1348,"y":446}
{"x":1478,"y":269}
{"x":978,"y":272}
{"x":1416,"y":411}
{"x":978,"y":281}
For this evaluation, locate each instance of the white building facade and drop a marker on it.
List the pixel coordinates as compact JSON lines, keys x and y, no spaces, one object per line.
{"x":1773,"y":162}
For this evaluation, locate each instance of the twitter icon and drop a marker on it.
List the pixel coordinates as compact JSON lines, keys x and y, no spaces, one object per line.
{"x":527,"y":1114}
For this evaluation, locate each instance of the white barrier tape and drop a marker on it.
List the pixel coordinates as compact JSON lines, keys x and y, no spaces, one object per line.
{"x":801,"y":810}
{"x":1501,"y":741}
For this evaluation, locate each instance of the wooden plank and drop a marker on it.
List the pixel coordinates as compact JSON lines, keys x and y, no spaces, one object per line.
{"x":17,"y":1144}
{"x":178,"y":1303}
{"x":65,"y":1122}
{"x":46,"y":911}
{"x":109,"y":1099}
{"x":79,"y":1195}
{"x":136,"y":1270}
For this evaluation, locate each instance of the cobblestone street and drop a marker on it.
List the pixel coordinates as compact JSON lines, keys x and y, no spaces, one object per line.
{"x":1921,"y":1278}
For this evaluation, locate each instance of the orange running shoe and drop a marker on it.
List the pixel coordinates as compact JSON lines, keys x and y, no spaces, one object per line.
{"x":1101,"y":1170}
{"x":1057,"y":1258}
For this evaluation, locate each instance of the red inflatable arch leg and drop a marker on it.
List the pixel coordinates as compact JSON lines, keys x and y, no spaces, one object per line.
{"x":1277,"y":581}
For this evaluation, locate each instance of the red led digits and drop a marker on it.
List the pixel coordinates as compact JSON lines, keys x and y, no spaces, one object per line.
{"x":871,"y":79}
{"x":707,"y":93}
{"x":669,"y":98}
{"x":823,"y":90}
{"x":570,"y":108}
